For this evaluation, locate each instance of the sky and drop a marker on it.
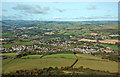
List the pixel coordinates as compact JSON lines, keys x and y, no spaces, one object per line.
{"x":60,"y":0}
{"x":60,"y":11}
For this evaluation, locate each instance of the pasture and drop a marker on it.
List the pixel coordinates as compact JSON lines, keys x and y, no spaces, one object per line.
{"x":31,"y":57}
{"x":58,"y":60}
{"x":9,"y":54}
{"x":60,"y":56}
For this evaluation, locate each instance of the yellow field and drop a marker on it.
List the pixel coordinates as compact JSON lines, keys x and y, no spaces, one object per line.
{"x":104,"y":41}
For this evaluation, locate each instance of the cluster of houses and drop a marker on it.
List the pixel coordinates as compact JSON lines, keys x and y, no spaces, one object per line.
{"x":83,"y":49}
{"x":58,"y":43}
{"x":22,"y":28}
{"x":89,"y":51}
{"x":34,"y":48}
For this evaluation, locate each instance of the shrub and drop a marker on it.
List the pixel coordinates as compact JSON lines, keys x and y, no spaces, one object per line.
{"x":81,"y":66}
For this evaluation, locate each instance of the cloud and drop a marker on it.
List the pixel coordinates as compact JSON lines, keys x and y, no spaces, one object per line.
{"x":108,"y":16}
{"x":9,"y":17}
{"x":61,"y":10}
{"x":87,"y":17}
{"x":57,"y":17}
{"x":4,"y":10}
{"x":92,"y":7}
{"x":31,"y":9}
{"x":95,"y":17}
{"x":108,"y":10}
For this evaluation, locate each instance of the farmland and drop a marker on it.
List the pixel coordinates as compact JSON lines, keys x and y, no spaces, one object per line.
{"x":58,"y":60}
{"x":59,"y":39}
{"x":39,"y":45}
{"x":32,"y":57}
{"x":60,"y":56}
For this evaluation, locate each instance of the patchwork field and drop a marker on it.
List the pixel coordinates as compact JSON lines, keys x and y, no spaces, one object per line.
{"x":105,"y":41}
{"x":58,"y":60}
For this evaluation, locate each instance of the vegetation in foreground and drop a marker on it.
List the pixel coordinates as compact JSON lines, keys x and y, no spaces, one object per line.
{"x":59,"y":71}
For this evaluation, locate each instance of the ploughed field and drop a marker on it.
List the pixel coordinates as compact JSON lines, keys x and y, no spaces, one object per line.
{"x":57,"y":60}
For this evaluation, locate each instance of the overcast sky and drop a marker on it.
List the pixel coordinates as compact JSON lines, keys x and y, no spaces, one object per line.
{"x":60,"y":11}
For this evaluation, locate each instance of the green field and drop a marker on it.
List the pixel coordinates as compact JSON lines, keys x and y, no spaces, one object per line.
{"x":58,"y":60}
{"x":114,"y":47}
{"x":8,"y":35}
{"x":9,"y":54}
{"x":32,"y":57}
{"x":26,"y":39}
{"x":22,"y":43}
{"x":60,"y":56}
{"x":17,"y":43}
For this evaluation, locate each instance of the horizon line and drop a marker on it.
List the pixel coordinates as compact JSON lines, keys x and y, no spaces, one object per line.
{"x":59,"y":21}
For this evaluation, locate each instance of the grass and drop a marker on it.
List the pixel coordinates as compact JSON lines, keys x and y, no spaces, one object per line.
{"x":81,"y":56}
{"x":59,"y":60}
{"x":60,"y":56}
{"x":32,"y":57}
{"x":76,"y":32}
{"x":87,"y":56}
{"x":30,"y":64}
{"x":34,"y":37}
{"x":98,"y":65}
{"x":9,"y":54}
{"x":17,"y":43}
{"x":114,"y":47}
{"x":8,"y":45}
{"x":55,"y":38}
{"x":26,"y":39}
{"x":23,"y":43}
{"x":8,"y":35}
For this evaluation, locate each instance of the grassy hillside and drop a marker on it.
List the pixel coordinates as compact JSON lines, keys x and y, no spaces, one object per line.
{"x":9,"y":54}
{"x":60,"y":56}
{"x":32,"y":57}
{"x":88,"y":61}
